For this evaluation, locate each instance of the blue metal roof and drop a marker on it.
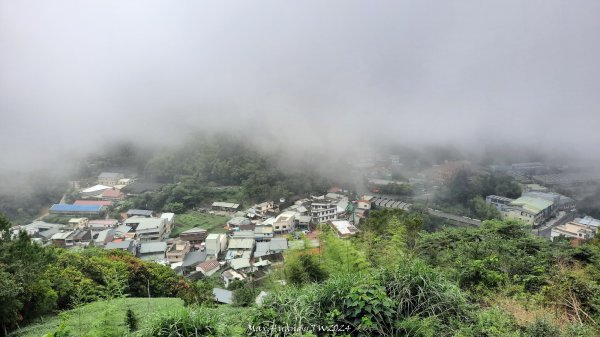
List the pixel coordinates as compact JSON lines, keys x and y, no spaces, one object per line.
{"x":75,"y":208}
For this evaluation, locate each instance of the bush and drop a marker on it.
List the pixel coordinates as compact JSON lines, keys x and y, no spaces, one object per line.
{"x":131,"y":320}
{"x":183,"y":323}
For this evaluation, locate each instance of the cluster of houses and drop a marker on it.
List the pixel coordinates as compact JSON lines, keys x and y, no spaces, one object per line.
{"x":254,"y":239}
{"x":535,"y":207}
{"x":579,"y":229}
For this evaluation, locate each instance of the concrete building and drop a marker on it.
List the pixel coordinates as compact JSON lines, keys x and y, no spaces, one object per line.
{"x":225,"y":206}
{"x":78,"y":223}
{"x":148,"y":229}
{"x":343,"y":228}
{"x":531,"y":210}
{"x":265,"y":207}
{"x":103,"y":223}
{"x":39,"y":231}
{"x":110,"y":178}
{"x":573,"y":230}
{"x":240,"y":248}
{"x":263,"y":233}
{"x":304,"y":222}
{"x":177,"y":251}
{"x":153,"y":251}
{"x":216,"y":244}
{"x":323,"y":210}
{"x":284,"y":222}
{"x":560,"y":201}
{"x":194,"y":236}
{"x":498,"y":201}
{"x":169,"y":220}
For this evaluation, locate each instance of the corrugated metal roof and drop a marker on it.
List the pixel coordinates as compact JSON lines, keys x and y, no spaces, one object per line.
{"x":75,"y":208}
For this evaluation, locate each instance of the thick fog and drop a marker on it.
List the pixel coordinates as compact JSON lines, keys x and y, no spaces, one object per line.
{"x":77,"y":74}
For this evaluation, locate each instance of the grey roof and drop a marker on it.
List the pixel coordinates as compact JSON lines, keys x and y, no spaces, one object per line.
{"x":123,"y":229}
{"x":152,"y":247}
{"x":110,"y":175}
{"x":223,"y":296}
{"x":240,"y":263}
{"x":278,"y":244}
{"x":262,"y":246}
{"x":193,"y":258}
{"x":103,"y":235}
{"x":303,"y":218}
{"x":225,"y":204}
{"x":142,"y":212}
{"x":243,"y":234}
{"x":194,"y":230}
{"x":238,"y":221}
{"x":145,"y":223}
{"x":241,"y":243}
{"x":119,"y":245}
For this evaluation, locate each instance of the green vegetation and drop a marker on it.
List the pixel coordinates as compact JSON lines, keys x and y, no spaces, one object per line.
{"x":212,"y":223}
{"x":395,"y":189}
{"x":90,"y":319}
{"x":36,"y":281}
{"x":465,"y":194}
{"x":392,"y":279}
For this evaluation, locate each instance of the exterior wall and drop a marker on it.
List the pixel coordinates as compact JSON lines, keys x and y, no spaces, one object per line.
{"x":110,"y":181}
{"x":518,"y":214}
{"x":217,"y":245}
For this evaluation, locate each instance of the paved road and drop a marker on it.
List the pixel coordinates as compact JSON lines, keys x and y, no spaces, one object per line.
{"x":560,"y":219}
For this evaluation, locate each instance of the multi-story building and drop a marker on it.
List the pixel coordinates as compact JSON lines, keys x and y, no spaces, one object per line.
{"x":194,"y":236}
{"x":285,"y":222}
{"x":323,"y":210}
{"x":498,"y":201}
{"x":148,"y":229}
{"x":110,"y":178}
{"x":215,"y":244}
{"x":176,"y":252}
{"x":532,"y":210}
{"x":573,"y":230}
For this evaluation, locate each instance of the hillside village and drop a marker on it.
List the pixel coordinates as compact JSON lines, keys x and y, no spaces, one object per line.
{"x":249,"y":241}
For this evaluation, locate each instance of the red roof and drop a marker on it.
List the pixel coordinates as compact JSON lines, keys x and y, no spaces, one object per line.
{"x":209,"y":265}
{"x":112,"y":193}
{"x":93,"y":202}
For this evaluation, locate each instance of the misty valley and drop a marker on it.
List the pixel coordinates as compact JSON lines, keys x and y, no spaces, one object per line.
{"x":299,"y":168}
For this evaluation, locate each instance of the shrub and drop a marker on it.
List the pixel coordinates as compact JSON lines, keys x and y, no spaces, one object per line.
{"x":183,"y":323}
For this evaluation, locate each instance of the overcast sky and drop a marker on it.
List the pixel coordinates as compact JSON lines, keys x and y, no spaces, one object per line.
{"x":74,"y":74}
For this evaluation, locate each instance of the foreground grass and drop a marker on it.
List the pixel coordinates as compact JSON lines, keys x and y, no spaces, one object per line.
{"x":212,"y":223}
{"x":93,"y":318}
{"x":105,"y":318}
